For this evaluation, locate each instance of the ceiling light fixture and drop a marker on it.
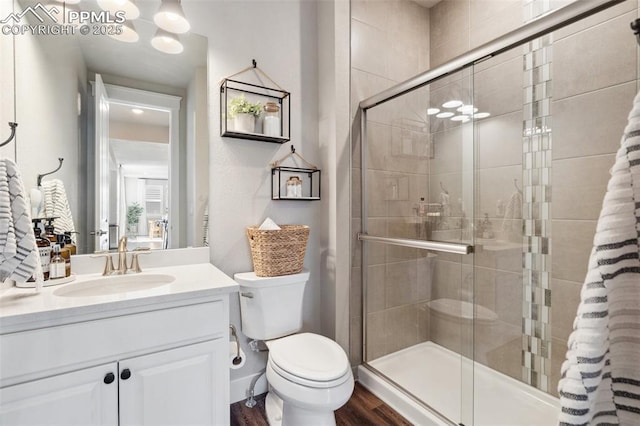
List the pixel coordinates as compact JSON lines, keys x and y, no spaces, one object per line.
{"x":170,"y":17}
{"x":445,"y":115}
{"x":467,"y":109}
{"x":452,"y":104}
{"x":137,"y":111}
{"x":167,"y":42}
{"x":481,"y":115}
{"x":432,"y":111}
{"x":462,"y":118}
{"x":128,"y":34}
{"x":129,"y":7}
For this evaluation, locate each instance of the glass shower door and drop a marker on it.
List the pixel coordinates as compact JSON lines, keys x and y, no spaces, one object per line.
{"x":418,"y":205}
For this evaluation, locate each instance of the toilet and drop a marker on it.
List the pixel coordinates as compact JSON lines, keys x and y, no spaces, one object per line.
{"x":309,"y":375}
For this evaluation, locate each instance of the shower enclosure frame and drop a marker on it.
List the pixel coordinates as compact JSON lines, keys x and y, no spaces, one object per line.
{"x":541,"y":26}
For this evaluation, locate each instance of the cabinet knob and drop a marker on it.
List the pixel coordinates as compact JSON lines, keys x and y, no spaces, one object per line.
{"x":125,"y":374}
{"x":109,"y":378}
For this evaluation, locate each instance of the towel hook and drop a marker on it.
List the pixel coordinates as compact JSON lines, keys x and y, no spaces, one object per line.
{"x":635,"y":26}
{"x":13,"y":133}
{"x":515,"y":183}
{"x":50,"y":173}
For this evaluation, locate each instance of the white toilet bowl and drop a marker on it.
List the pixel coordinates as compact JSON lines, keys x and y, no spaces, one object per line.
{"x":311,"y":377}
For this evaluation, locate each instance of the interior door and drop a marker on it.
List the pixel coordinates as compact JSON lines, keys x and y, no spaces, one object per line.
{"x":102,"y":166}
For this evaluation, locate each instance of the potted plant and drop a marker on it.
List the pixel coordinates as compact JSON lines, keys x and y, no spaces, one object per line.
{"x":134,"y":211}
{"x":244,"y":113}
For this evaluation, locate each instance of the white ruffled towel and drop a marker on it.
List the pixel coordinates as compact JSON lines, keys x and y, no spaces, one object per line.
{"x":601,"y":374}
{"x":56,"y":204}
{"x":19,"y":256}
{"x":511,"y":222}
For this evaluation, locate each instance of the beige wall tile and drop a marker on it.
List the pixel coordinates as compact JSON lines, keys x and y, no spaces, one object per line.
{"x":378,"y":142}
{"x":565,"y":298}
{"x":598,"y":18}
{"x":378,"y":335}
{"x":401,"y":283}
{"x":377,"y":202}
{"x":355,"y":341}
{"x":498,"y":90}
{"x":499,"y":22}
{"x":494,"y":185}
{"x":579,"y":186}
{"x":376,"y":288}
{"x":423,"y":323}
{"x":377,"y":253}
{"x":426,"y":274}
{"x":402,"y":324}
{"x":485,"y":287}
{"x":448,"y":282}
{"x":592,"y":123}
{"x":364,"y":40}
{"x":577,"y":69}
{"x":505,"y":260}
{"x":450,"y":49}
{"x":374,"y":13}
{"x":571,"y":245}
{"x":508,"y":288}
{"x":482,"y":10}
{"x":356,"y":192}
{"x":507,"y":357}
{"x":355,"y":292}
{"x":447,"y":152}
{"x":499,"y":140}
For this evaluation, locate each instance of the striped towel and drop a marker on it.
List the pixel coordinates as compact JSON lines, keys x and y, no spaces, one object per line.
{"x":19,"y":258}
{"x":56,"y":205}
{"x":205,"y":226}
{"x":601,"y":374}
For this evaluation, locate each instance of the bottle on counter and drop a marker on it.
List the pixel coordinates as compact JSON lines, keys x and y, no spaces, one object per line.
{"x":44,"y":249}
{"x":68,"y":243}
{"x":57,"y":266}
{"x":49,"y":231}
{"x":66,"y":255}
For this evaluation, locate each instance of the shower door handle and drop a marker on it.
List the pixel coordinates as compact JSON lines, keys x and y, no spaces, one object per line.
{"x":437,"y":246}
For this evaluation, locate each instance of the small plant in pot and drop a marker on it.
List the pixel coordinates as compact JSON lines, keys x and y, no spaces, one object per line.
{"x":244,"y":113}
{"x":134,"y":211}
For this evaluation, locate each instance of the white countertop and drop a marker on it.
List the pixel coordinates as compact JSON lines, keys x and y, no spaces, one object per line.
{"x":24,"y":309}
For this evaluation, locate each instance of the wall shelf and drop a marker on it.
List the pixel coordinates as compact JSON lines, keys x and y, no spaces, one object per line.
{"x":277,"y":131}
{"x":311,"y":179}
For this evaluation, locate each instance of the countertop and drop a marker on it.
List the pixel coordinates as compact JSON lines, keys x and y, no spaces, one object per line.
{"x":25,"y":309}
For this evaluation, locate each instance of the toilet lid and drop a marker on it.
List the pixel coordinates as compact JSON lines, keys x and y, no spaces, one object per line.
{"x":310,"y":357}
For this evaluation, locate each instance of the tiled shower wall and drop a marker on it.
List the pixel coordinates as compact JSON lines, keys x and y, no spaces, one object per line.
{"x":389,"y":44}
{"x":594,"y":78}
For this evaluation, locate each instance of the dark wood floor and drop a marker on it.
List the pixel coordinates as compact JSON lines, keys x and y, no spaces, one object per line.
{"x":364,"y":408}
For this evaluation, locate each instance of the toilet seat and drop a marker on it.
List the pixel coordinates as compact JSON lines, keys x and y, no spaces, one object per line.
{"x":310,"y":360}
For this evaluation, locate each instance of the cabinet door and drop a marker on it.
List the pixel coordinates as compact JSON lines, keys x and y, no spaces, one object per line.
{"x":183,"y":386}
{"x":84,"y":397}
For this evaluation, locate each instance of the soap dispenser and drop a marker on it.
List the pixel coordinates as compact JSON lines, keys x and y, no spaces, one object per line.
{"x":49,"y":230}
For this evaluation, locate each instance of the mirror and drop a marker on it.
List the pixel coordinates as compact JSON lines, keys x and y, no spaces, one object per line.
{"x":137,"y":163}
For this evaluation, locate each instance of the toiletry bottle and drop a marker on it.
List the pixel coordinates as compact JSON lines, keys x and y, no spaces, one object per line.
{"x":68,"y":243}
{"x":66,"y":255}
{"x":487,"y":227}
{"x":49,"y":231}
{"x":44,"y":249}
{"x":57,"y":266}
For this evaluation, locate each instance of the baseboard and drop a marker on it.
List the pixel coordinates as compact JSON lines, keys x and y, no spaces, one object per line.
{"x":240,"y":387}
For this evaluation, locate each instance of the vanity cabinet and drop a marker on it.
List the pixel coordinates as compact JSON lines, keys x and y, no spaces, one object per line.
{"x":164,"y":366}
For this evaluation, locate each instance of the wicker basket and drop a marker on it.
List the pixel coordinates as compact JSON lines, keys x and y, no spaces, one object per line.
{"x":278,"y":252}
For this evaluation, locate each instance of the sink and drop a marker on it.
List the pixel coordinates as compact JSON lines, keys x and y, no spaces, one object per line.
{"x":116,"y":284}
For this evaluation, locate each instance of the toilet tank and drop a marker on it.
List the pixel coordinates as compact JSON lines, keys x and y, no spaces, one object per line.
{"x":271,"y":307}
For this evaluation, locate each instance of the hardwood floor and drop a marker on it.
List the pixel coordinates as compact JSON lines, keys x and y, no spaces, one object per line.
{"x":364,"y":408}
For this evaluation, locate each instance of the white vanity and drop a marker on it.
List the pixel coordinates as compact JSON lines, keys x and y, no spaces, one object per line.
{"x":150,"y":356}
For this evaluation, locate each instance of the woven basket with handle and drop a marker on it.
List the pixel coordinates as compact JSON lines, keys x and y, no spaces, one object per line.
{"x":278,"y":252}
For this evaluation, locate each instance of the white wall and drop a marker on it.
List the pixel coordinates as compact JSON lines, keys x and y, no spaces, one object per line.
{"x":281,"y":36}
{"x":197,"y":155}
{"x":43,"y":137}
{"x":7,"y":112}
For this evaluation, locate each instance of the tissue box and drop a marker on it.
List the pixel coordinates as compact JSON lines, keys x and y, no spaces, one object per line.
{"x":278,"y":252}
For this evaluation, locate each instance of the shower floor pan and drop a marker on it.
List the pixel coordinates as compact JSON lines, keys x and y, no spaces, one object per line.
{"x":433,"y":374}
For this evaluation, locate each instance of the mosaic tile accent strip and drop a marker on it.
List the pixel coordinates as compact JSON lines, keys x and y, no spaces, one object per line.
{"x":536,"y":212}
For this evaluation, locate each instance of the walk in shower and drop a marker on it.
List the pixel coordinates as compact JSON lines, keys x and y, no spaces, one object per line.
{"x":477,"y":187}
